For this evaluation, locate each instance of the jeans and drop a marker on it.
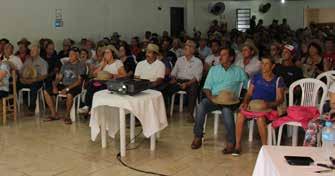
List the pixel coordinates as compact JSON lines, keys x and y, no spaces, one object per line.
{"x":207,"y":106}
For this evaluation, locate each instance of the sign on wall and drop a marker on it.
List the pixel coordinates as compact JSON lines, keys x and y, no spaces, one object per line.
{"x":59,"y":22}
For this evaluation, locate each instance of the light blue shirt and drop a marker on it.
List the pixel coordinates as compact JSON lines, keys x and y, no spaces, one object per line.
{"x":219,"y":79}
{"x":4,"y":83}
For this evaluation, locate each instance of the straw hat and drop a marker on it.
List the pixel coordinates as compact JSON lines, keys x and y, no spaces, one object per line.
{"x":226,"y":98}
{"x":29,"y":72}
{"x":258,"y":106}
{"x":103,"y":76}
{"x":153,"y":47}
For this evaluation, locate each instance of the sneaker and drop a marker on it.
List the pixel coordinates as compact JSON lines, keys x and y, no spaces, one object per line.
{"x":83,"y":110}
{"x":236,"y":152}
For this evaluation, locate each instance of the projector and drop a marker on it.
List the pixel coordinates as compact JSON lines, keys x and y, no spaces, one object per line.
{"x":128,"y":86}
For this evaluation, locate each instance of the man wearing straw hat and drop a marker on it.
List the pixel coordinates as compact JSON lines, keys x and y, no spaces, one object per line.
{"x":34,"y":71}
{"x":221,"y":89}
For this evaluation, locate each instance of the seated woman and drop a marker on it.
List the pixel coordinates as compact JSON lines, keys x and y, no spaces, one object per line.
{"x":127,"y":59}
{"x":109,"y":64}
{"x":266,"y":88}
{"x":4,"y":79}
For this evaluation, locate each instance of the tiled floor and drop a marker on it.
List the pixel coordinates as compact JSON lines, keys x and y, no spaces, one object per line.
{"x":32,"y":147}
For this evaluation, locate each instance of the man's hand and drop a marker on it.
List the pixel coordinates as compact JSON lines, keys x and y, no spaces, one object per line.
{"x":244,"y":106}
{"x":183,"y":86}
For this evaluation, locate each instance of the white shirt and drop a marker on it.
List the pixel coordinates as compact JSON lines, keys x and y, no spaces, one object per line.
{"x":179,"y":52}
{"x":212,"y":60}
{"x":151,"y":72}
{"x":114,"y":67}
{"x":16,"y":61}
{"x":252,"y":68}
{"x":188,"y":70}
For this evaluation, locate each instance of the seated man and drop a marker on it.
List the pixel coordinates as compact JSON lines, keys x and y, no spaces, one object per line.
{"x":68,"y":82}
{"x":186,"y":76}
{"x":4,"y":79}
{"x":267,"y":89}
{"x":14,"y":61}
{"x":223,"y":77}
{"x":214,"y":58}
{"x":151,"y":69}
{"x":34,"y":82}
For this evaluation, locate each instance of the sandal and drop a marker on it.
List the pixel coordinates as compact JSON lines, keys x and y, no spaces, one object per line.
{"x":67,"y":121}
{"x":236,"y":152}
{"x":227,"y":151}
{"x":51,"y":118}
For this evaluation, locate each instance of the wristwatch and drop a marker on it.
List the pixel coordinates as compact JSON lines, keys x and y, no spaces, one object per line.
{"x":67,"y":89}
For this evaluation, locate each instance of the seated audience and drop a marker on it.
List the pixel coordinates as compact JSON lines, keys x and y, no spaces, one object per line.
{"x":127,"y":59}
{"x":249,"y":61}
{"x":214,"y":58}
{"x":4,"y":79}
{"x":313,"y":64}
{"x":151,"y":69}
{"x":68,"y":82}
{"x":112,"y":67}
{"x":177,"y":47}
{"x":203,"y":49}
{"x":14,"y":61}
{"x":34,"y":72}
{"x":186,"y":75}
{"x":3,"y":43}
{"x":287,"y":69}
{"x":167,"y":54}
{"x":275,"y":50}
{"x":329,"y":54}
{"x":67,"y":44}
{"x":224,"y":77}
{"x":266,"y":92}
{"x":23,"y":52}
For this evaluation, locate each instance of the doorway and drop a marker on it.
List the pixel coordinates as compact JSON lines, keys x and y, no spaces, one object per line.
{"x":176,"y":21}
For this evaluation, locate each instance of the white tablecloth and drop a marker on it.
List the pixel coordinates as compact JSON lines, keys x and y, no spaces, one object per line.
{"x":148,"y":106}
{"x":271,"y":161}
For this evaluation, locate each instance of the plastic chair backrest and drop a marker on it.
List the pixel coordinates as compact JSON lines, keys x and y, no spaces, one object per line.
{"x":310,"y":89}
{"x":329,"y":76}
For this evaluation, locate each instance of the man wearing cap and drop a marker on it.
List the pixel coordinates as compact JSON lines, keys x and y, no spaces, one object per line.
{"x":249,"y":63}
{"x":14,"y":61}
{"x":34,"y":81}
{"x":68,"y":82}
{"x":186,"y":75}
{"x":223,"y":80}
{"x":287,"y":69}
{"x":151,"y":69}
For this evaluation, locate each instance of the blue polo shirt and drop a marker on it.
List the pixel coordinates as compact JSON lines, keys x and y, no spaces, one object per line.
{"x":219,"y":79}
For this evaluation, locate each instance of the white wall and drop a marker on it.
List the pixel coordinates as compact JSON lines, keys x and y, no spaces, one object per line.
{"x":83,"y":18}
{"x":292,"y":10}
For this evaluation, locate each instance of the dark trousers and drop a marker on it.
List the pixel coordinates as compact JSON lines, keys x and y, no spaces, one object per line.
{"x":192,"y":93}
{"x":3,"y":94}
{"x":34,"y":87}
{"x":92,"y":87}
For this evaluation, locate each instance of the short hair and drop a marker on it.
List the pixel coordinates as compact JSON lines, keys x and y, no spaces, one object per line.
{"x":268,"y":57}
{"x":315,"y":45}
{"x":230,"y":50}
{"x":86,"y":51}
{"x":215,"y":41}
{"x":191,"y":43}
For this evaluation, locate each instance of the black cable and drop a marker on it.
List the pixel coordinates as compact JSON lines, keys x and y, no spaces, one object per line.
{"x":118,"y":156}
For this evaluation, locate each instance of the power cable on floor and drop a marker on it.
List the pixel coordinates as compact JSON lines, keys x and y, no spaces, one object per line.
{"x":119,"y":158}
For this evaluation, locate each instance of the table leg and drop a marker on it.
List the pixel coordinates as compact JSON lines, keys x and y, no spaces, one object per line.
{"x":132,"y":128}
{"x":122,"y":133}
{"x":153,"y":142}
{"x":103,"y":132}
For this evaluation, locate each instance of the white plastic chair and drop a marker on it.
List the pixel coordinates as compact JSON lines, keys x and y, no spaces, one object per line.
{"x":329,"y":78}
{"x":40,"y":95}
{"x":181,"y":101}
{"x":310,"y":89}
{"x":217,"y":114}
